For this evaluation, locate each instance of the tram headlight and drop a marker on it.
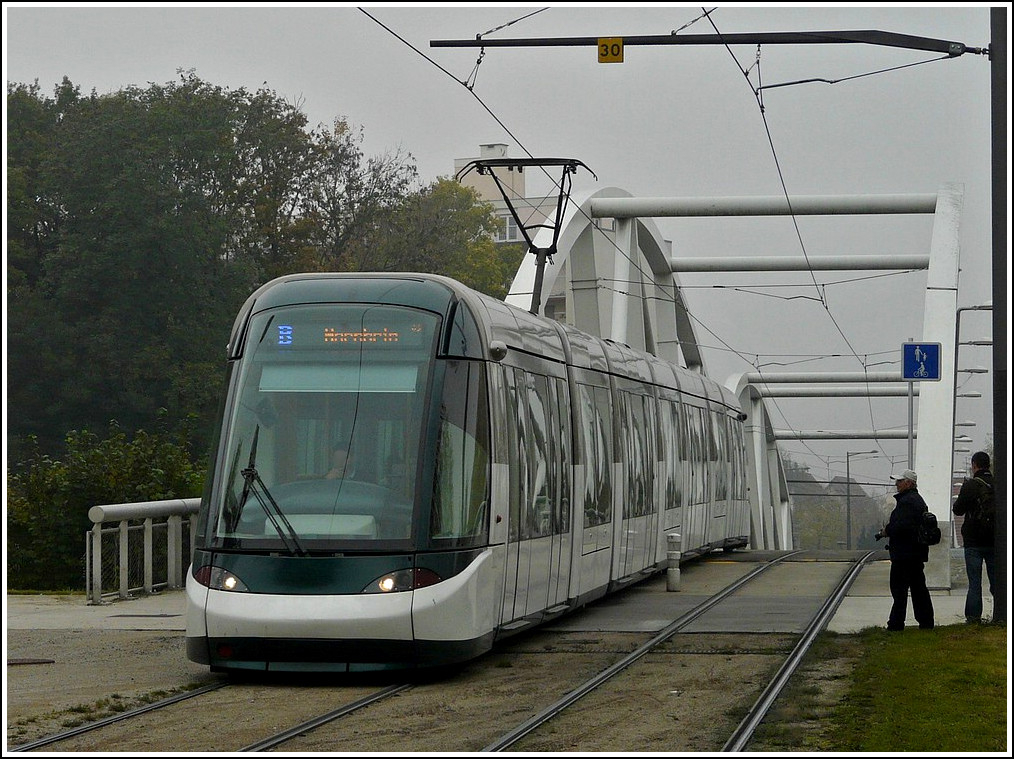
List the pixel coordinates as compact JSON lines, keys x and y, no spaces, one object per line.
{"x":402,"y":580}
{"x":217,"y":578}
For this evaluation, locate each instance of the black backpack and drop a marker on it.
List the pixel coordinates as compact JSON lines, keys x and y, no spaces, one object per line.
{"x":984,"y":511}
{"x":929,"y":530}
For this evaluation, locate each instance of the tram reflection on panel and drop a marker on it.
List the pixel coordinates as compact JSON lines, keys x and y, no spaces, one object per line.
{"x":407,"y":471}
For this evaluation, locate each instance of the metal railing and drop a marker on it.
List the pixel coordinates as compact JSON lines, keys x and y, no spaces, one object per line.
{"x":145,"y":556}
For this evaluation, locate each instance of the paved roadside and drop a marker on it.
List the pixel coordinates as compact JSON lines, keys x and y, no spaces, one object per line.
{"x":159,"y":611}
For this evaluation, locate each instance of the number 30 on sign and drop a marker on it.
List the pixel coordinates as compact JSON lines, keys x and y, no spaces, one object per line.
{"x":610,"y":49}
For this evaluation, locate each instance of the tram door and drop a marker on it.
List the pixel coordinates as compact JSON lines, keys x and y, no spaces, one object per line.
{"x":636,"y":538}
{"x":719,"y":526}
{"x":694,"y":519}
{"x":537,"y":574}
{"x":593,"y":487}
{"x":562,"y":491}
{"x":670,"y":480}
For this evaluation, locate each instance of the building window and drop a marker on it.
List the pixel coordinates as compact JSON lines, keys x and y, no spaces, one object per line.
{"x":509,"y":231}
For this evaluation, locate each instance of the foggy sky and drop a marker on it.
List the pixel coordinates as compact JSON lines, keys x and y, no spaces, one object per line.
{"x":668,"y":121}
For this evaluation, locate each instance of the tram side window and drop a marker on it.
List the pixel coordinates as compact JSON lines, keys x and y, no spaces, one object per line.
{"x":707,"y":453}
{"x":733,"y":456}
{"x":596,"y":434}
{"x":739,"y":483}
{"x":646,"y":411}
{"x":670,"y":454}
{"x":699,"y":446}
{"x":538,"y":517}
{"x":518,"y":468}
{"x":714,"y":435}
{"x":683,"y":452}
{"x":625,"y":444}
{"x":666,"y":453}
{"x":721,"y":454}
{"x":733,"y":460}
{"x":690,"y":454}
{"x":562,"y":414}
{"x":461,"y":485}
{"x":635,"y":452}
{"x":500,"y":389}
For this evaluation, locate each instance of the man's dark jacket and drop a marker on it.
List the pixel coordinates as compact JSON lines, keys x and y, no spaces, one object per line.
{"x":903,"y":527}
{"x":974,"y":533}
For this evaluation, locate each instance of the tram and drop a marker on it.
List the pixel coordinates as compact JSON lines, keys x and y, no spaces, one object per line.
{"x":407,"y":471}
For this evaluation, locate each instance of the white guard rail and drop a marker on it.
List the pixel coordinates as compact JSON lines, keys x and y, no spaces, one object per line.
{"x":154,"y":515}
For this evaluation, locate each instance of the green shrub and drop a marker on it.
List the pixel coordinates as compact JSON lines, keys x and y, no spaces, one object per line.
{"x":48,"y":500}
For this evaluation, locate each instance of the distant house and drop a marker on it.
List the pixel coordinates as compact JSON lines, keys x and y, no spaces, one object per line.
{"x":529,"y":210}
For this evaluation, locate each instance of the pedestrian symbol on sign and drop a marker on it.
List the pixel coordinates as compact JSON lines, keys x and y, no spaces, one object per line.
{"x":920,"y":361}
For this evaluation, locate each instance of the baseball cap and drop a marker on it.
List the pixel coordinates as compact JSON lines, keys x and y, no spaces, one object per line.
{"x":905,"y":474}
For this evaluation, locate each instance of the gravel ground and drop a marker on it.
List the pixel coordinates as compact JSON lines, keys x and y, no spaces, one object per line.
{"x":73,"y":676}
{"x":678,"y":699}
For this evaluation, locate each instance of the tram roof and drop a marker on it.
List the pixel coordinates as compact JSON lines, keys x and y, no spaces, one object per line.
{"x":517,"y":329}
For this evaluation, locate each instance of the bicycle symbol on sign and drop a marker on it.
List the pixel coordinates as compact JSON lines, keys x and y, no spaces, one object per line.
{"x":921,"y":362}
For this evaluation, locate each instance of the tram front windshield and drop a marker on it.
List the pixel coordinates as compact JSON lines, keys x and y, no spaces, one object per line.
{"x":326,"y":426}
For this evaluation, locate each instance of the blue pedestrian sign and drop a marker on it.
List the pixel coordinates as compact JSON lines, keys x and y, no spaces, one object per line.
{"x":920,"y":361}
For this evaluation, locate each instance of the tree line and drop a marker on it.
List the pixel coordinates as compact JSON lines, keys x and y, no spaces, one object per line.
{"x":138,"y":223}
{"x":819,"y":518}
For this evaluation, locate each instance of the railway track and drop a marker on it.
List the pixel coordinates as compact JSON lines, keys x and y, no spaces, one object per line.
{"x":584,"y":669}
{"x":744,"y":731}
{"x":121,"y":717}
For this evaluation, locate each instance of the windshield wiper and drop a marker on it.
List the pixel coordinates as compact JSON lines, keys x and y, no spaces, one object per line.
{"x":275,"y":513}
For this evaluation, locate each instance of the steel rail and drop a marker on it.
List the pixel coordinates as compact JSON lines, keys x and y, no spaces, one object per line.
{"x":316,"y":722}
{"x":744,"y":732}
{"x":591,"y":684}
{"x":119,"y":717}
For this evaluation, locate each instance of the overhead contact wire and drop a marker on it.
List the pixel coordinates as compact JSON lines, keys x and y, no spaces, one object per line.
{"x":635,"y":263}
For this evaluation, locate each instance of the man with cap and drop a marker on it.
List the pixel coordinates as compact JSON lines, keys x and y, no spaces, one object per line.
{"x":908,"y":555}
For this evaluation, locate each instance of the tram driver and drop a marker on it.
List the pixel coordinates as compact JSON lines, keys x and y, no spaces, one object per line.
{"x":341,"y":465}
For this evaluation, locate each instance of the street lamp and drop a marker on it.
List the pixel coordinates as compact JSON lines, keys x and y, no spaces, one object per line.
{"x":848,"y":497}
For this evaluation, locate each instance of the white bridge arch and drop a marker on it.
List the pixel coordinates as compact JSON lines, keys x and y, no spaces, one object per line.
{"x":613,"y":276}
{"x":616,"y":281}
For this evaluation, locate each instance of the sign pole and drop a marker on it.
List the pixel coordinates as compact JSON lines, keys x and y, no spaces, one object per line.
{"x":918,"y":362}
{"x":911,"y":414}
{"x":911,"y":417}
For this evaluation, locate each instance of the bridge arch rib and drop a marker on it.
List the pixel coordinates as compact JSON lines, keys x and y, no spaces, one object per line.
{"x":614,"y":277}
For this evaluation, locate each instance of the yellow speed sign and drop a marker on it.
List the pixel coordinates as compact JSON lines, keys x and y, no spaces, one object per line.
{"x":610,"y":49}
